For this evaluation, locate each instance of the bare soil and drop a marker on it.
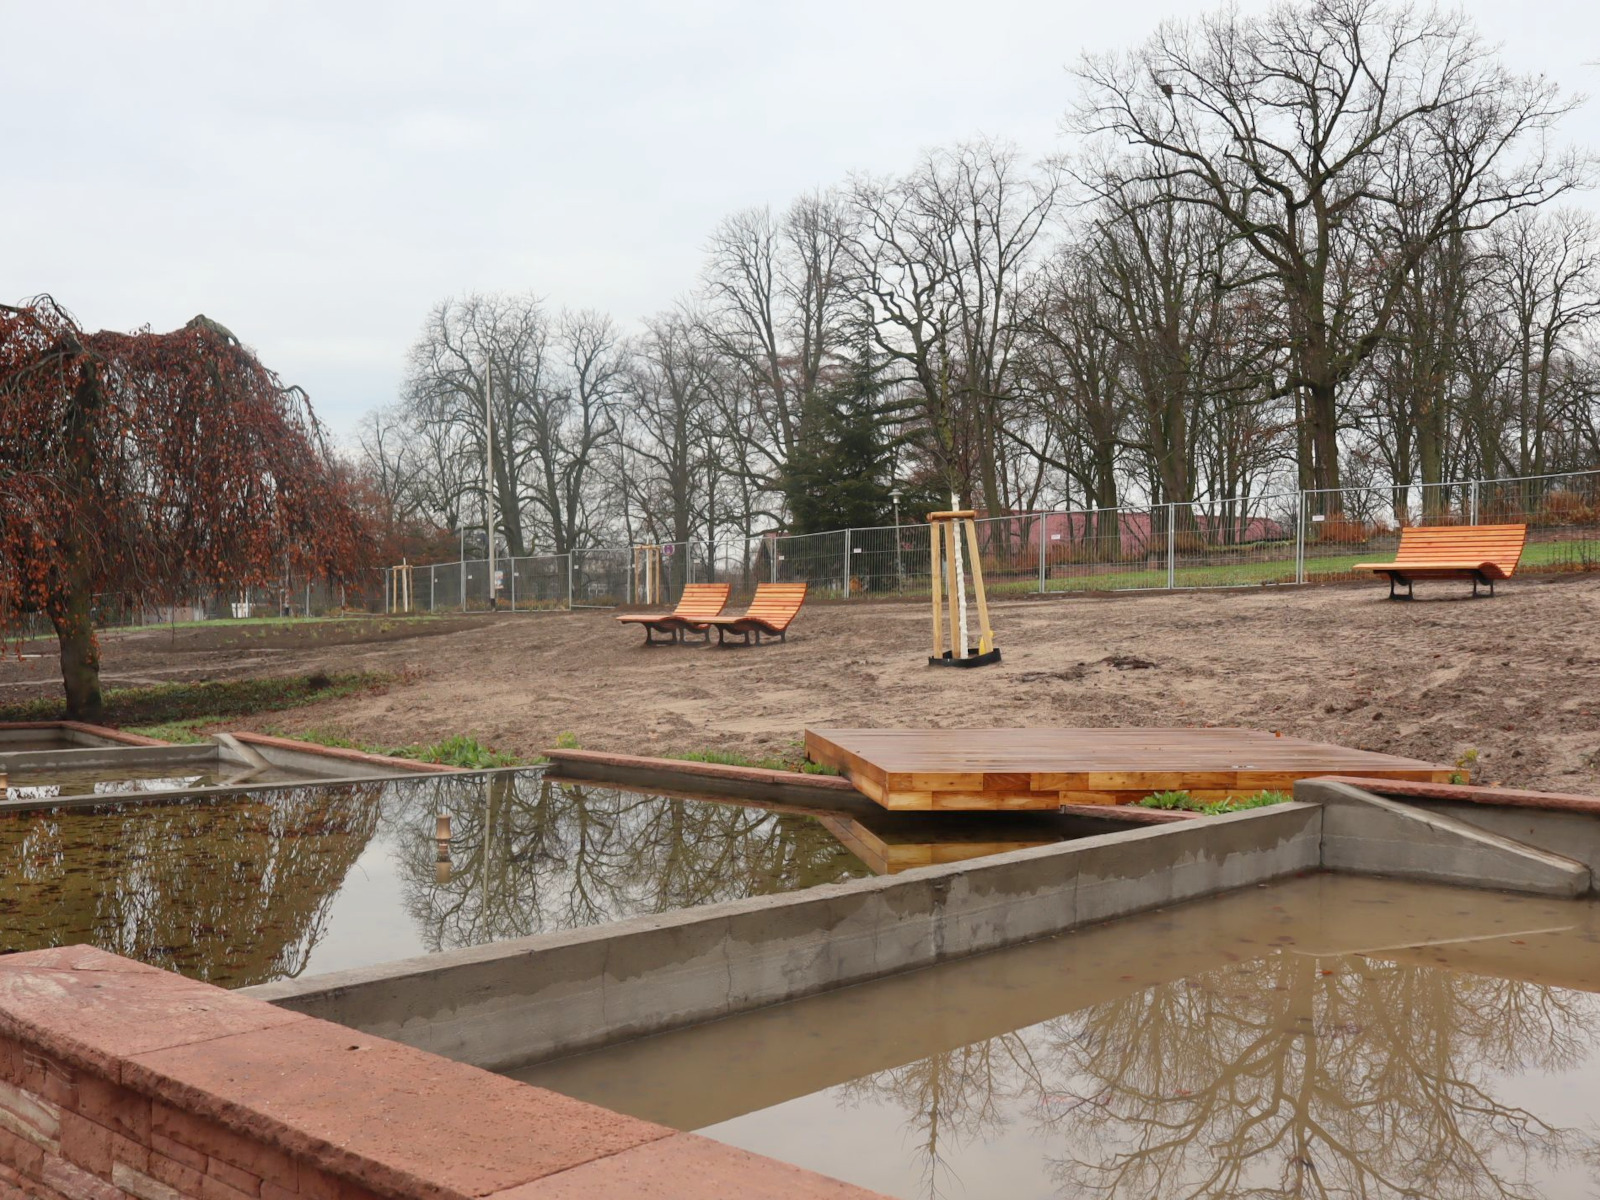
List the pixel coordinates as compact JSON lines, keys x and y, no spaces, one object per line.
{"x":1516,"y":679}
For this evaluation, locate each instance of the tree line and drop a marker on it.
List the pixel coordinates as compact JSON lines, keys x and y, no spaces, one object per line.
{"x":1331,"y":246}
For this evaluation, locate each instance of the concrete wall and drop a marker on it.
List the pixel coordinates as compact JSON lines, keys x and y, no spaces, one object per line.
{"x":1375,"y":835}
{"x":1574,"y":835}
{"x":519,"y":1001}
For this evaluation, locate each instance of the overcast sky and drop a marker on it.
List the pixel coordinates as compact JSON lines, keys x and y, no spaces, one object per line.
{"x":317,"y":175}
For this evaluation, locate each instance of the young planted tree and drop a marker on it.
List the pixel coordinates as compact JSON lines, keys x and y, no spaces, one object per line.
{"x":151,"y":465}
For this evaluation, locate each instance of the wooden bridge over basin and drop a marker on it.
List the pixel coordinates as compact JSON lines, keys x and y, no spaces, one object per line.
{"x":1046,"y":768}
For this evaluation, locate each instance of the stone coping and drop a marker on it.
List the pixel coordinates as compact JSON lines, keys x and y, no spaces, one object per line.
{"x":379,"y":1117}
{"x":1471,"y":794}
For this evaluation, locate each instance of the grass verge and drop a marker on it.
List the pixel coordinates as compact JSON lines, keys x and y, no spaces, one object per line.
{"x":457,"y":751}
{"x":184,"y":707}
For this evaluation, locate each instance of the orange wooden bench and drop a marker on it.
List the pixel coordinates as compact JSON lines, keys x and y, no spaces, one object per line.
{"x":772,"y":609}
{"x":1481,"y":553}
{"x":699,"y":603}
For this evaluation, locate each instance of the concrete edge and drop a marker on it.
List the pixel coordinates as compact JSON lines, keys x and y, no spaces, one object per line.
{"x":1371,"y":834}
{"x":514,"y":1002}
{"x":104,"y":733}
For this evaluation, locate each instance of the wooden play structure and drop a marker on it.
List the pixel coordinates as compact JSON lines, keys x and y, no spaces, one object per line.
{"x":1047,"y":768}
{"x":1481,"y":553}
{"x":649,"y":585}
{"x":699,"y":604}
{"x":949,"y":572}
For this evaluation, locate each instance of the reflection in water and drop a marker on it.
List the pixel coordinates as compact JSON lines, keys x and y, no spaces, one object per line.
{"x":531,"y":856}
{"x":1288,"y":1076}
{"x":243,"y":890}
{"x":234,"y":891}
{"x":1197,"y":1053}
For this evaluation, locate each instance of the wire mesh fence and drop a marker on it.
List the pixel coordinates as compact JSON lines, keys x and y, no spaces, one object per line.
{"x":1281,"y":538}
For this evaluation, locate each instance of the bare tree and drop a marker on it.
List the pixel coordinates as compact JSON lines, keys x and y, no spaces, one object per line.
{"x":1287,"y":127}
{"x":940,"y":261}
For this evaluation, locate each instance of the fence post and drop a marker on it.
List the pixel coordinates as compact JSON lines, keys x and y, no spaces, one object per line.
{"x":774,"y":557}
{"x":1300,"y":539}
{"x":1472,"y":502}
{"x":463,"y":582}
{"x":308,"y":596}
{"x":847,"y":540}
{"x":1044,"y":534}
{"x":1172,"y":546}
{"x":571,"y":599}
{"x":513,"y":563}
{"x":433,"y":571}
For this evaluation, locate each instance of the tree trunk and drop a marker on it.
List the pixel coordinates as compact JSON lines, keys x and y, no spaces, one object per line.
{"x":80,"y":658}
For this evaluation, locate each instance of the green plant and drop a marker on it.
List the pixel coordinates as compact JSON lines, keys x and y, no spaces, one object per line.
{"x":1170,"y":800}
{"x":1185,"y":802}
{"x":1240,"y":804}
{"x":566,"y":741}
{"x":458,"y":751}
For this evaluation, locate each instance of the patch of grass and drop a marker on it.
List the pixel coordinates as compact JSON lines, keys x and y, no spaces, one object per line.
{"x":1187,"y":803}
{"x":728,"y":758}
{"x":459,"y":750}
{"x":191,"y":730}
{"x":169,"y":703}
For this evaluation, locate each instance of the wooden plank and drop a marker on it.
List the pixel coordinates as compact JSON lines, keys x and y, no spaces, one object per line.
{"x":938,"y":628}
{"x":986,"y":634}
{"x":1040,"y":768}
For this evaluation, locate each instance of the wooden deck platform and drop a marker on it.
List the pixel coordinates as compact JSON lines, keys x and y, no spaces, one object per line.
{"x":1046,"y":768}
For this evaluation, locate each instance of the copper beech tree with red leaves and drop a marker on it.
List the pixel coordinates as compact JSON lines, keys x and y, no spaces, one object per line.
{"x":152,"y":465}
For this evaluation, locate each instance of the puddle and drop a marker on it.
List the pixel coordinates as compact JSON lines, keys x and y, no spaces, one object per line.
{"x":1328,"y":1036}
{"x":245,"y":889}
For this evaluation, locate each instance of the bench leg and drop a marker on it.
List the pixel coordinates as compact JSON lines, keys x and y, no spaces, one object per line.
{"x":1394,"y":595}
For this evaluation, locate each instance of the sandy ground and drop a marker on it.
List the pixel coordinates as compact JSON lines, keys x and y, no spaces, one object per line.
{"x":1517,"y":678}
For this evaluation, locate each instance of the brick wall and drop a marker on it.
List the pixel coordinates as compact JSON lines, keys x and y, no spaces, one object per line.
{"x":118,"y":1080}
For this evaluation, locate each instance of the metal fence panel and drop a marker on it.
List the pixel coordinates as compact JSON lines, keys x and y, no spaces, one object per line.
{"x":601,"y":578}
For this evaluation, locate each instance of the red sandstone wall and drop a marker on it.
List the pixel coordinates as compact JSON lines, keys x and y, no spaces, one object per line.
{"x":67,"y":1134}
{"x":119,"y":1080}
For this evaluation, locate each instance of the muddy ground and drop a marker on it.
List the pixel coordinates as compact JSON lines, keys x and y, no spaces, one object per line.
{"x":1516,"y":679}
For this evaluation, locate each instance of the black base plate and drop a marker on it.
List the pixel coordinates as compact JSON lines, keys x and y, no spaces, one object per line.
{"x":973,"y":659}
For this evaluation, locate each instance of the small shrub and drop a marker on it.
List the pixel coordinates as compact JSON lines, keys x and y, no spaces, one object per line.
{"x":1566,"y":508}
{"x":567,"y":741}
{"x":458,"y":751}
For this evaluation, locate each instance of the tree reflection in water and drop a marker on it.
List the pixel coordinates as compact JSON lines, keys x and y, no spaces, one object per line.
{"x":235,"y":891}
{"x":239,"y":890}
{"x":529,"y":855}
{"x":1289,"y":1076}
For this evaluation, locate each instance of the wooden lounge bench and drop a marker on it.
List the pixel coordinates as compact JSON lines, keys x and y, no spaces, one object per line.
{"x":1481,"y":553}
{"x":699,"y":602}
{"x":774,"y":606}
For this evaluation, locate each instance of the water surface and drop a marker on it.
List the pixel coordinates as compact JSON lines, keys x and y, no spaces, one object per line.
{"x":1325,"y":1037}
{"x":245,"y":889}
